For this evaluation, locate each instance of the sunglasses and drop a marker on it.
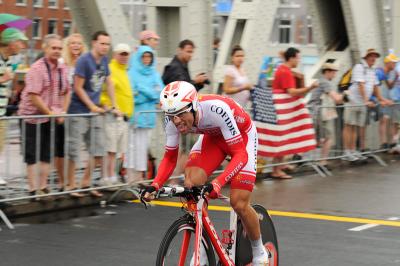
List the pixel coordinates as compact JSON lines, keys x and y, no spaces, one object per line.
{"x":124,"y":54}
{"x":179,"y":114}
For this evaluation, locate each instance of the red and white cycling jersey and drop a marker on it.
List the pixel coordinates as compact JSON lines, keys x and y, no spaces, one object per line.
{"x":223,"y":124}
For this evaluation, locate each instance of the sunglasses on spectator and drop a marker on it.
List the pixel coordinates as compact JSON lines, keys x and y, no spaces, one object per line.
{"x":124,"y":54}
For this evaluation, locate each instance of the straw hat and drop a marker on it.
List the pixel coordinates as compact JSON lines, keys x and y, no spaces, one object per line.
{"x":330,"y":66}
{"x":371,"y":51}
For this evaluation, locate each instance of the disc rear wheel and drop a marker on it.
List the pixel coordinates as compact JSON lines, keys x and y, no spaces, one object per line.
{"x":244,"y":254}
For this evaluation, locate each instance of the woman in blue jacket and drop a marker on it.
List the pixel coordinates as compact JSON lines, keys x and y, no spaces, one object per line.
{"x":146,"y":85}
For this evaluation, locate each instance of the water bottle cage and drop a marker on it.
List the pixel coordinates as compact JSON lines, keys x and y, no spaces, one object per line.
{"x":227,"y":238}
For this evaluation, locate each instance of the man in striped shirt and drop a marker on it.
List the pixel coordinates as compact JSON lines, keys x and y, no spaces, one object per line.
{"x":11,"y":43}
{"x":46,"y":93}
{"x":363,"y":87}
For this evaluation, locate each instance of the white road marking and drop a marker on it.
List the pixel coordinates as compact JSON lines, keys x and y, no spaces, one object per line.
{"x":368,"y":226}
{"x":362,"y":227}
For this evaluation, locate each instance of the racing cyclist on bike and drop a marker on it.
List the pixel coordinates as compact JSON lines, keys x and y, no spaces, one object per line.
{"x":226,"y":129}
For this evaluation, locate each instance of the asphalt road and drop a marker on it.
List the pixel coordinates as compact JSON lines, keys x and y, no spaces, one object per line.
{"x":351,"y":218}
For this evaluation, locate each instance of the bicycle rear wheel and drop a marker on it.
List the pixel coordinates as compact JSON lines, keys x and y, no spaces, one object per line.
{"x":244,"y":254}
{"x":177,"y":246}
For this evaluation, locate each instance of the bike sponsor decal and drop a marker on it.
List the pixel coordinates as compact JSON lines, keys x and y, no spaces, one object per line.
{"x":215,"y":235}
{"x":220,"y":111}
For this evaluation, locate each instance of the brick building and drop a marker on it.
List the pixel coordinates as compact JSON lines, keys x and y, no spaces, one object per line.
{"x":49,"y":16}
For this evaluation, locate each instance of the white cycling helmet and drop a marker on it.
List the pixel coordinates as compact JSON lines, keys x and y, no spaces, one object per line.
{"x":176,"y":96}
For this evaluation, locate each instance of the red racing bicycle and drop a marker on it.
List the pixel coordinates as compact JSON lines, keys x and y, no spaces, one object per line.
{"x":192,"y":239}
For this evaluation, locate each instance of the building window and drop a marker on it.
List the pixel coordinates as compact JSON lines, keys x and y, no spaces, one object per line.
{"x":52,"y":26}
{"x":66,"y":5}
{"x":284,"y":31}
{"x":20,"y":2}
{"x":53,"y":3}
{"x":66,"y":28}
{"x":309,"y":31}
{"x":37,"y":28}
{"x":38,"y":3}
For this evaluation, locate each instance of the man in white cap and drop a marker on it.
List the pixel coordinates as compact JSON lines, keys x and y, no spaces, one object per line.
{"x":116,"y":126}
{"x":386,"y":76}
{"x":392,"y":62}
{"x":11,"y":43}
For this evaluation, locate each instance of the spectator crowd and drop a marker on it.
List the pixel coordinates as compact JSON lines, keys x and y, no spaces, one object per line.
{"x":109,"y":106}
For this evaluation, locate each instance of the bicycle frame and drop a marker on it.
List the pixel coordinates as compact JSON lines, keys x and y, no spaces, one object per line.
{"x":200,"y":214}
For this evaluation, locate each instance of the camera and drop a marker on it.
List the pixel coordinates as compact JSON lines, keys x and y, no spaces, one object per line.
{"x":207,"y":81}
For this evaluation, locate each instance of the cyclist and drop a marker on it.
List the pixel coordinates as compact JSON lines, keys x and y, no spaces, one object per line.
{"x":226,"y":129}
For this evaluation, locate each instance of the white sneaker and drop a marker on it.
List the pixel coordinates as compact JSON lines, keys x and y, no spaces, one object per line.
{"x":114,"y":180}
{"x":262,"y":260}
{"x":106,"y":181}
{"x":349,"y":156}
{"x":359,"y":156}
{"x":2,"y":182}
{"x":396,"y":149}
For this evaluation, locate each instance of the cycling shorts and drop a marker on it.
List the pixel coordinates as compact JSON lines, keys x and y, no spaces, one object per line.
{"x":210,"y":151}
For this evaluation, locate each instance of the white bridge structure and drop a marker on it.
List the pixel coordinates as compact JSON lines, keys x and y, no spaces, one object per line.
{"x":342,"y":30}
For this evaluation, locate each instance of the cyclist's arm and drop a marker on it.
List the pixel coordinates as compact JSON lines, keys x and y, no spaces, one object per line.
{"x":239,"y":159}
{"x":170,"y":158}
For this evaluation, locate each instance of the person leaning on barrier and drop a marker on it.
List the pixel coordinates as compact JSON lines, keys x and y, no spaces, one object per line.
{"x":146,"y":85}
{"x":363,"y":87}
{"x":386,"y":76}
{"x":73,"y":48}
{"x":293,"y":118}
{"x":325,"y":95}
{"x":116,"y":127}
{"x":46,"y":93}
{"x":11,"y":43}
{"x":91,"y":73}
{"x":395,"y":96}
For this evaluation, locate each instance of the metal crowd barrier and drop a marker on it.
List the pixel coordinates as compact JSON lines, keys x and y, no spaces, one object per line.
{"x":14,"y":148}
{"x":372,"y":144}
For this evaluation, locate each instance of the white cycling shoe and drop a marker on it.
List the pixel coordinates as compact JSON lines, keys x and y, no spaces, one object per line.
{"x":262,"y":260}
{"x":203,"y":257}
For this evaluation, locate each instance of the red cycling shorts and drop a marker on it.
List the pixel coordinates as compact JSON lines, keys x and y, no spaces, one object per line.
{"x":210,"y":151}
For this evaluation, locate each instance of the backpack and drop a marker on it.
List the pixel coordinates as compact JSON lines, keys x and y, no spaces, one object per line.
{"x":345,"y":80}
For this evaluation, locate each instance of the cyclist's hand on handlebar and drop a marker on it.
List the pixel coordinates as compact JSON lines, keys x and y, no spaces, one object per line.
{"x":211,"y":190}
{"x":148,"y":194}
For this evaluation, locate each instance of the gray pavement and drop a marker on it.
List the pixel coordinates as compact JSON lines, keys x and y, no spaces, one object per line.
{"x":130,"y":235}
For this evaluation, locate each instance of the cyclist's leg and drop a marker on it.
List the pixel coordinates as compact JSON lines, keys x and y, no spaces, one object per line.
{"x":205,"y":156}
{"x":241,"y":187}
{"x":240,"y":202}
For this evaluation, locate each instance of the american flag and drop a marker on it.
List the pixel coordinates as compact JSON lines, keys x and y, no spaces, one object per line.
{"x":293,"y":131}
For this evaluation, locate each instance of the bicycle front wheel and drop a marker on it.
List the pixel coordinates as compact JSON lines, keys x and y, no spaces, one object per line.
{"x":177,"y":246}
